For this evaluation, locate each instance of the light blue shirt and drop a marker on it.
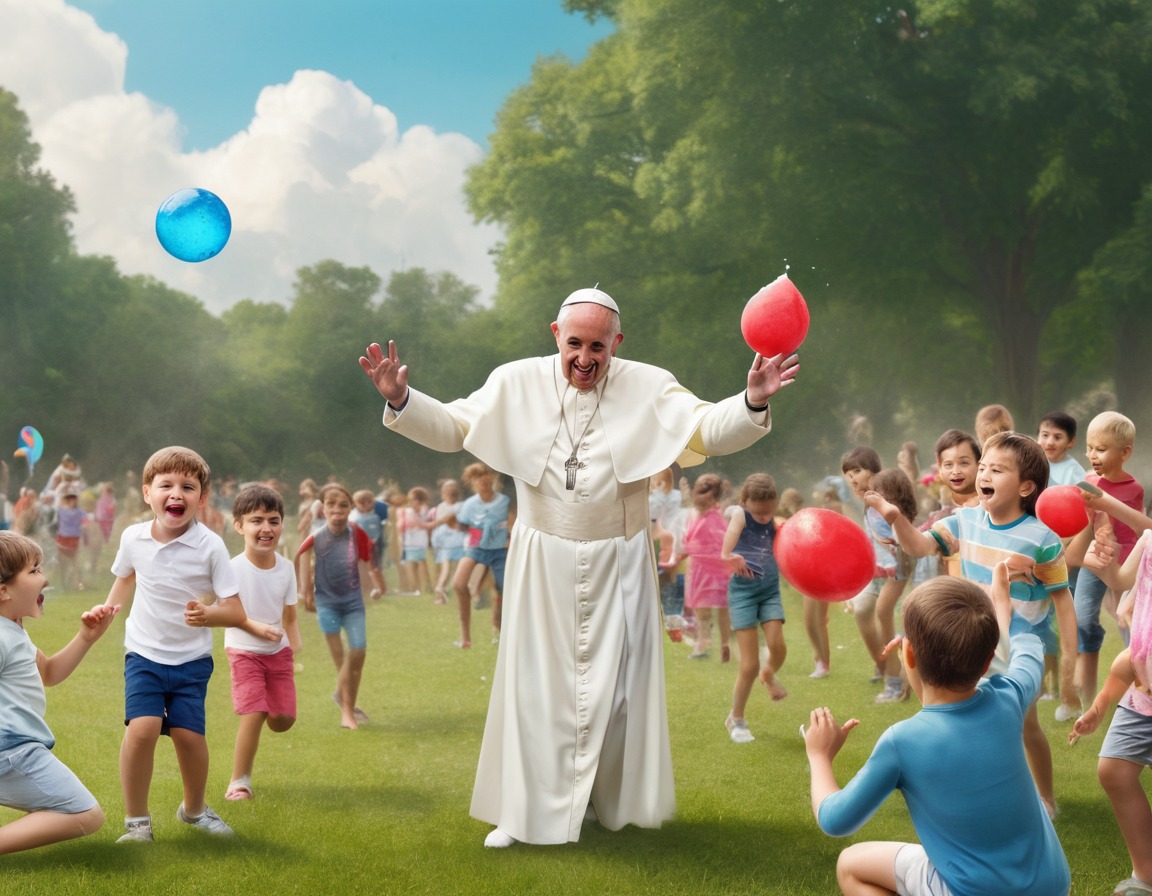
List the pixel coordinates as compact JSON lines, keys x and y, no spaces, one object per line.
{"x":22,"y":701}
{"x":964,"y":776}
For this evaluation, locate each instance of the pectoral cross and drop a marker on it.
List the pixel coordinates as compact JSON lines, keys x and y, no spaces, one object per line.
{"x":571,"y":466}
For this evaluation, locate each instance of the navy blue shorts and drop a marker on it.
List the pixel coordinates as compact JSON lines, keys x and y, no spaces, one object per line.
{"x":175,"y":694}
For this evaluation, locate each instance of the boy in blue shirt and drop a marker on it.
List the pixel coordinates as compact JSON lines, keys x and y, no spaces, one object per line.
{"x":959,"y":762}
{"x":178,"y":577}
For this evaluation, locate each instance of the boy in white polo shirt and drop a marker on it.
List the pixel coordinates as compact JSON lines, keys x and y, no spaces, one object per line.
{"x":177,"y":575}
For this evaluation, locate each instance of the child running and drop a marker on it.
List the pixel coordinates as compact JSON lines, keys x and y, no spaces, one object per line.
{"x":708,"y":574}
{"x":176,"y":574}
{"x":754,"y":597}
{"x":333,"y":559}
{"x":32,"y":780}
{"x":958,"y":762}
{"x":487,"y":516}
{"x":261,"y":652}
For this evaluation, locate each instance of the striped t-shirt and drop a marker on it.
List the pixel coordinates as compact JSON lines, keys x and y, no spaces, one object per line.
{"x":982,"y":544}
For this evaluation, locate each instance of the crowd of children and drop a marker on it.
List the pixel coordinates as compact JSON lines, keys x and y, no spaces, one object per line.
{"x":990,"y":603}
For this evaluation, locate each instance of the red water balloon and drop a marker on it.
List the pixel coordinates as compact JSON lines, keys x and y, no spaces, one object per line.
{"x":824,"y":555}
{"x":775,"y":320}
{"x":1061,"y":509}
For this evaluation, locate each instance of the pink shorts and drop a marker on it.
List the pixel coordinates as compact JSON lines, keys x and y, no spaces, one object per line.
{"x":263,"y":682}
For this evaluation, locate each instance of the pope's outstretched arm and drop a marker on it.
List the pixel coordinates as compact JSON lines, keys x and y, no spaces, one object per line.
{"x":386,"y":372}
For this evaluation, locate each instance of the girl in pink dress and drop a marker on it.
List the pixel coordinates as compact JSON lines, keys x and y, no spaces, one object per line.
{"x":706,"y":587}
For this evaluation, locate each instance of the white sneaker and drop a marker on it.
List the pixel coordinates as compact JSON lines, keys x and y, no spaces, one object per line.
{"x":893,"y":692}
{"x":821,"y":671}
{"x":137,"y":832}
{"x":498,"y":839}
{"x":207,"y":821}
{"x":1066,"y":713}
{"x":738,"y":730}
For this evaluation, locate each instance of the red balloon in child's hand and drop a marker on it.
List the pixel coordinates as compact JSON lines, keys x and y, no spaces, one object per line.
{"x":1061,"y":509}
{"x":775,"y":320}
{"x":824,"y":555}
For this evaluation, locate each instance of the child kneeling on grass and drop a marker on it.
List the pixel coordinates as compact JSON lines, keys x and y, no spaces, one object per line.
{"x":959,"y":762}
{"x":59,"y":807}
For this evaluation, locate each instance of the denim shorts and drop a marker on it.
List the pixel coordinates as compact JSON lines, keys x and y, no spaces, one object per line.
{"x":1129,"y":737}
{"x":493,"y":558}
{"x":1088,"y":597}
{"x":173,"y":693}
{"x":351,"y":619}
{"x":752,"y":602}
{"x":414,"y":555}
{"x":33,"y":780}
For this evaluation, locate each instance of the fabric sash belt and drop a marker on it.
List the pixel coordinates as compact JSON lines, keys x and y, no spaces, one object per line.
{"x":575,"y":521}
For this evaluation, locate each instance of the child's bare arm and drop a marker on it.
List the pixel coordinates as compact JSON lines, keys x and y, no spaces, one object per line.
{"x":1001,"y":596}
{"x":292,"y":628}
{"x":1120,"y":677}
{"x":1065,"y":610}
{"x":227,"y":611}
{"x":914,"y":542}
{"x":728,"y":545}
{"x":54,"y":669}
{"x":121,"y":592}
{"x":263,"y":630}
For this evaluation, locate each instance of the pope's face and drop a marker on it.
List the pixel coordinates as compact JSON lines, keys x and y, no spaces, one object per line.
{"x":587,"y":336}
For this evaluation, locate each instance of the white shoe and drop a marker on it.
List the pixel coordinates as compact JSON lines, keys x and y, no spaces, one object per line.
{"x":821,"y":671}
{"x":738,"y":730}
{"x":498,"y":839}
{"x":1066,"y":713}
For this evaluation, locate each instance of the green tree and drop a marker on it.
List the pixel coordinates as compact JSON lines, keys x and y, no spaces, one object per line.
{"x":939,"y":178}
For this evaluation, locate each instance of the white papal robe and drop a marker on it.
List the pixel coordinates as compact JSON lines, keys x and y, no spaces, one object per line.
{"x":577,"y":712}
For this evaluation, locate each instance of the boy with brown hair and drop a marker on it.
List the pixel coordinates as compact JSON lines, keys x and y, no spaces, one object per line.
{"x":1013,"y":471}
{"x":177,"y":575}
{"x":958,"y":762}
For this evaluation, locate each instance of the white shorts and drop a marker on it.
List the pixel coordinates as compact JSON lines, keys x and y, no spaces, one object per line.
{"x":916,"y":875}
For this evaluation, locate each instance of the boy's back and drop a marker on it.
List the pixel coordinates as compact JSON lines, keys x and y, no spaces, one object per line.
{"x":965,"y":779}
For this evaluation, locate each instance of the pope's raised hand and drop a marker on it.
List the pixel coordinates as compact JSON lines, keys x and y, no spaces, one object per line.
{"x":388,"y":375}
{"x":767,"y":376}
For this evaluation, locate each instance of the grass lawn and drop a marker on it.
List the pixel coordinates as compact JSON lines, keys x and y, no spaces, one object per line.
{"x":385,"y":809}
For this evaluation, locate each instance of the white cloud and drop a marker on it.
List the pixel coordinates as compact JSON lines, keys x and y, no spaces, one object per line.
{"x":320,"y":172}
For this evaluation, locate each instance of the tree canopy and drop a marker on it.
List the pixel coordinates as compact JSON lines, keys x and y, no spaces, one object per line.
{"x":960,"y":189}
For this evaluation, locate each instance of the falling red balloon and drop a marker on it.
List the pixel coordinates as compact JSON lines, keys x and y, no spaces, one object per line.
{"x":824,"y":555}
{"x":1061,"y":509}
{"x":775,"y":320}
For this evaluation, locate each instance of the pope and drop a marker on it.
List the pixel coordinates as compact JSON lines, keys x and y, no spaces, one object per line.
{"x":577,"y":726}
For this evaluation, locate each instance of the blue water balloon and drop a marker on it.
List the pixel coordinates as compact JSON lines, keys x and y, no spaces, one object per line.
{"x":193,"y":224}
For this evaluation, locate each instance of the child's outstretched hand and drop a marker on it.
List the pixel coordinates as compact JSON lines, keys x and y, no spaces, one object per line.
{"x":96,"y":621}
{"x":739,"y":567}
{"x":883,"y":506}
{"x":823,"y":737}
{"x":1086,"y":724}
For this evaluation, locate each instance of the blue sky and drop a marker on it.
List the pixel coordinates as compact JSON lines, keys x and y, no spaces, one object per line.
{"x":444,"y":63}
{"x":332,"y":129}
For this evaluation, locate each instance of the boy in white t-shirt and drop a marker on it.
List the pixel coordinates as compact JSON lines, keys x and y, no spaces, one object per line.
{"x":178,"y":577}
{"x":261,"y":652}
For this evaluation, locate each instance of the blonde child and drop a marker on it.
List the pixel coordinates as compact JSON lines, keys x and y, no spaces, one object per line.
{"x":176,"y":574}
{"x":1108,"y":445}
{"x":333,"y":561}
{"x":447,"y":538}
{"x":261,"y":652}
{"x":414,"y":522}
{"x":991,"y":419}
{"x":371,"y":516}
{"x":754,"y":597}
{"x":706,"y":586}
{"x":487,"y":516}
{"x":33,"y":780}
